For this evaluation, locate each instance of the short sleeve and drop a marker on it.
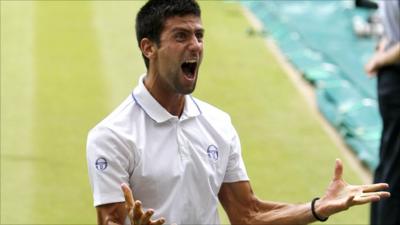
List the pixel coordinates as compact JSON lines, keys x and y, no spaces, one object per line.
{"x":109,"y":161}
{"x":236,"y":170}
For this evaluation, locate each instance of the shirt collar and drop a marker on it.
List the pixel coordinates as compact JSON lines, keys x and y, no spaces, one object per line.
{"x":158,"y":113}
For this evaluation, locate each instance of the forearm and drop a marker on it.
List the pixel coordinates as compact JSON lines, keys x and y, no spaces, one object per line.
{"x":383,"y":58}
{"x":111,"y":214}
{"x":282,"y":213}
{"x":391,"y":56}
{"x":243,"y":207}
{"x":263,"y":212}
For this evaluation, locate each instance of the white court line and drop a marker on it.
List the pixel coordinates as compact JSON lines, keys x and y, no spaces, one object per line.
{"x":308,"y":93}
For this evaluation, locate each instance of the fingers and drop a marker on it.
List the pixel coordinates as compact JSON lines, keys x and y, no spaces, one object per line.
{"x":143,"y":218}
{"x":128,"y":196}
{"x":366,"y":198}
{"x":146,"y":217}
{"x":372,"y":66}
{"x":129,"y":205}
{"x":134,"y":208}
{"x":158,"y":222}
{"x":374,"y":187}
{"x":369,"y":197}
{"x":369,"y":69}
{"x":135,"y":212}
{"x":384,"y":194}
{"x":379,"y":194}
{"x":338,"y":170}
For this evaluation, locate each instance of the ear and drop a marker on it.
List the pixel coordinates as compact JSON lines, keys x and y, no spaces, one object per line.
{"x":148,"y":48}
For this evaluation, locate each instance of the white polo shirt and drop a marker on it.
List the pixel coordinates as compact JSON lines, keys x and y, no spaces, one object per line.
{"x":175,"y":166}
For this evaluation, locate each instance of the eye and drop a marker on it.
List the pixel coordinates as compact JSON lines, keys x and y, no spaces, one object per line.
{"x":199,"y":36}
{"x":180,"y":36}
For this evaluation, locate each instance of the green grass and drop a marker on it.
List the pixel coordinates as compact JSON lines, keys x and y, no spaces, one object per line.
{"x":65,"y":65}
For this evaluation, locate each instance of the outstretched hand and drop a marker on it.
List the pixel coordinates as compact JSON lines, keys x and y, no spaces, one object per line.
{"x":135,"y":212}
{"x":340,"y":195}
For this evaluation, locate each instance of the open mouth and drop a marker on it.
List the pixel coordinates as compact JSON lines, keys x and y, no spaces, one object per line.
{"x":189,"y":68}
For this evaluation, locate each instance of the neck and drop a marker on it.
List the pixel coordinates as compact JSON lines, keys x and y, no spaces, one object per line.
{"x":170,"y":101}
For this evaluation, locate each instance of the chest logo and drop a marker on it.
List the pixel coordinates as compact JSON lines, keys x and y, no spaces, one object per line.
{"x":212,"y":152}
{"x":101,"y":164}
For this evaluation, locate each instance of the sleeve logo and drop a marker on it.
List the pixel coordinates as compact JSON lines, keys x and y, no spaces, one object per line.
{"x":101,"y":164}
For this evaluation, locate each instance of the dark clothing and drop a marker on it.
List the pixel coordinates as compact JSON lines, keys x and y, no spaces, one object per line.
{"x":387,"y":211}
{"x":366,"y":4}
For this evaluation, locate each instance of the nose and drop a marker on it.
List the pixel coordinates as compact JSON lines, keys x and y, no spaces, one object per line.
{"x":196,"y":45}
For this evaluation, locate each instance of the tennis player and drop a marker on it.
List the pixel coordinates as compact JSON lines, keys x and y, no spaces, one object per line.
{"x":177,"y":156}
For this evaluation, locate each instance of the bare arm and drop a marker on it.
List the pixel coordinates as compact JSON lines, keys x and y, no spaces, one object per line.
{"x":392,"y":55}
{"x":115,"y":213}
{"x":111,"y":214}
{"x":243,"y":207}
{"x":382,"y":58}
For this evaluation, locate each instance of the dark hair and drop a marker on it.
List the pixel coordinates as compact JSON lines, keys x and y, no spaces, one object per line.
{"x":152,"y":16}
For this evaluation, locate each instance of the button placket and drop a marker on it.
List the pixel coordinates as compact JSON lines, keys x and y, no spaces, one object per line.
{"x":182,"y":146}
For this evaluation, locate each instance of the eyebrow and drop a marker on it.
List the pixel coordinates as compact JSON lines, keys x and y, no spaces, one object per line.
{"x":178,"y":29}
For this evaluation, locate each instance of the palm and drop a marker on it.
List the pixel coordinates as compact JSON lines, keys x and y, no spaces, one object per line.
{"x":340,"y":195}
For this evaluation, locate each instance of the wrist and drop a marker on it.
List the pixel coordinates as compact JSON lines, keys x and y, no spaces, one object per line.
{"x":317,"y":210}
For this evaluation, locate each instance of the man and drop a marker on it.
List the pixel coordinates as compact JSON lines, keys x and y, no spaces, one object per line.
{"x":385,"y":63}
{"x":180,"y":155}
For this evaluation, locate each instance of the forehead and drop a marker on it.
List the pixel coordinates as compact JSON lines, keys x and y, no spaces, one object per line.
{"x":188,"y":22}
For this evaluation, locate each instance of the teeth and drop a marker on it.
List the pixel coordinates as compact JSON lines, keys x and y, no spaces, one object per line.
{"x":191,"y":61}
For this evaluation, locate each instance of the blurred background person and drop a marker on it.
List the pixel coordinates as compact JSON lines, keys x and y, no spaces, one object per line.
{"x":385,"y":64}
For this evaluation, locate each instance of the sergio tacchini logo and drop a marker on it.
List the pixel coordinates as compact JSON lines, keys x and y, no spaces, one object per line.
{"x":212,"y":152}
{"x":101,"y":164}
